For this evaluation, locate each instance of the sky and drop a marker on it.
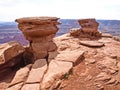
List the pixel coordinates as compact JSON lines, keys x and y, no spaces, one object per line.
{"x":64,"y":9}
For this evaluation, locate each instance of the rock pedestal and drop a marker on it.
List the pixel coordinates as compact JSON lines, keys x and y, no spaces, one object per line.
{"x":39,"y":31}
{"x":89,"y":29}
{"x":88,"y":25}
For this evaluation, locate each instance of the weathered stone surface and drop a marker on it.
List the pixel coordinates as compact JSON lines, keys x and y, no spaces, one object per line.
{"x":9,"y":50}
{"x":21,"y":75}
{"x":92,"y":43}
{"x":37,"y":71}
{"x":70,"y":56}
{"x":108,"y":65}
{"x":99,"y":86}
{"x":105,"y":40}
{"x":52,"y":46}
{"x":103,"y":77}
{"x":118,"y":65}
{"x":53,"y":54}
{"x":90,"y":61}
{"x":15,"y":87}
{"x":28,"y":56}
{"x":39,"y":50}
{"x":35,"y":86}
{"x":117,"y":38}
{"x":75,"y":31}
{"x":56,"y":70}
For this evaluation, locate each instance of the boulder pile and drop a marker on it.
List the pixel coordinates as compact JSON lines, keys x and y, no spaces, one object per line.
{"x":39,"y":31}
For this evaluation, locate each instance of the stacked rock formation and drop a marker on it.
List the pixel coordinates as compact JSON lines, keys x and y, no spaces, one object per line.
{"x":88,"y":25}
{"x":89,"y":29}
{"x":39,"y":31}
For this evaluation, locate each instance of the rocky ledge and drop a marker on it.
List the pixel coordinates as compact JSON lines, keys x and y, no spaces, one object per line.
{"x":78,"y":63}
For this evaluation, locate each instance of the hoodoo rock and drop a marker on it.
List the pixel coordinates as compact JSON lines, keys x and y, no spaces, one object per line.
{"x":88,"y":25}
{"x":89,"y":29}
{"x":40,"y":32}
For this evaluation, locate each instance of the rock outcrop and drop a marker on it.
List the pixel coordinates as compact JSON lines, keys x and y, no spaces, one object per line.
{"x":88,"y":25}
{"x":10,"y":56}
{"x":9,"y":50}
{"x":39,"y":31}
{"x":89,"y":29}
{"x":75,"y":64}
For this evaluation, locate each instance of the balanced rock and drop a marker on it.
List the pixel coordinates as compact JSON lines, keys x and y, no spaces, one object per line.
{"x":40,"y":32}
{"x":89,"y":29}
{"x":88,"y":25}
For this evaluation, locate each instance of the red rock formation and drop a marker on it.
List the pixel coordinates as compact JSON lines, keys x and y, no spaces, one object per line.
{"x":89,"y":29}
{"x":40,"y":32}
{"x":88,"y":25}
{"x":10,"y":56}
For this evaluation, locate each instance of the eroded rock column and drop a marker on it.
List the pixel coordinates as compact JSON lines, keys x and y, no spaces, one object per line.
{"x":39,"y":31}
{"x":88,"y":25}
{"x":89,"y":29}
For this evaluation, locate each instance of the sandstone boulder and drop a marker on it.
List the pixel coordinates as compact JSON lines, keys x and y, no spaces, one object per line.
{"x":10,"y":50}
{"x":92,"y":43}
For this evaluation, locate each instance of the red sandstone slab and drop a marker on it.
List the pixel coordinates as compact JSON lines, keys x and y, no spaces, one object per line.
{"x":92,"y":43}
{"x":21,"y":75}
{"x":37,"y":20}
{"x":56,"y":70}
{"x":70,"y":56}
{"x":35,"y":86}
{"x":37,"y":71}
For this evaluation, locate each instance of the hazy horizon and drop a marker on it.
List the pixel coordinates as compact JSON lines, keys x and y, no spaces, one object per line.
{"x":64,"y":9}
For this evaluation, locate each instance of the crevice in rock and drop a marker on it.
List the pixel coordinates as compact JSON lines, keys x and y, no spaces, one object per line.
{"x":15,"y":84}
{"x":26,"y":78}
